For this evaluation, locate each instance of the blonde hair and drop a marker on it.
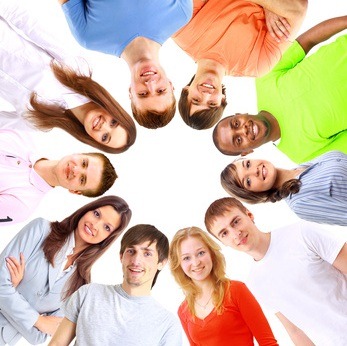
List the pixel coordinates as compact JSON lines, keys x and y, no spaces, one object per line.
{"x":220,"y":282}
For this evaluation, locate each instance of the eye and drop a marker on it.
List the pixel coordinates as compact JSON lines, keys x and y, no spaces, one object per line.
{"x":96,"y":213}
{"x":130,"y":251}
{"x":224,"y":234}
{"x":143,"y":93}
{"x":236,"y":124}
{"x":238,"y":140}
{"x":84,"y":163}
{"x":213,"y":104}
{"x":107,"y":228}
{"x":162,"y":90}
{"x":185,"y":258}
{"x":201,"y":253}
{"x":248,"y":182}
{"x":248,"y":163}
{"x":82,"y":180}
{"x":104,"y":137}
{"x":148,"y":254}
{"x":113,"y":122}
{"x":235,"y":222}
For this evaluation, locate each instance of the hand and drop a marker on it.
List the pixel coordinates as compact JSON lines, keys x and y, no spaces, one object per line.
{"x":277,"y":26}
{"x":16,"y":268}
{"x":48,"y":324}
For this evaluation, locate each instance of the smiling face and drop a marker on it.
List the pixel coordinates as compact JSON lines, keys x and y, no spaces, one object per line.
{"x":241,"y":133}
{"x":196,"y":261}
{"x":256,"y":175}
{"x":236,"y":229}
{"x":140,"y":264}
{"x":104,"y":128}
{"x":96,"y":225}
{"x":79,"y":172}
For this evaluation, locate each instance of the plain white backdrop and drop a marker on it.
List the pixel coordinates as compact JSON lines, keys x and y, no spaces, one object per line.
{"x":170,"y":175}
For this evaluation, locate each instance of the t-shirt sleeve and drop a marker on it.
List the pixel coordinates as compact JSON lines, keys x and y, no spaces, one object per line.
{"x":321,"y":242}
{"x":73,"y":304}
{"x":252,"y":314}
{"x":173,"y":334}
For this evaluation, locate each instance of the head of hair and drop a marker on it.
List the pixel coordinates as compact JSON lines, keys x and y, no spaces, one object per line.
{"x":60,"y":231}
{"x":200,"y":120}
{"x":108,"y":176}
{"x":47,"y":116}
{"x":146,"y":233}
{"x":219,"y":208}
{"x":232,"y":185}
{"x":191,"y":291}
{"x":152,"y":119}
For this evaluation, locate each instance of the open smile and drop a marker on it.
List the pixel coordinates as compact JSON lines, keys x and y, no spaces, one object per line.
{"x":97,"y":123}
{"x":88,"y":231}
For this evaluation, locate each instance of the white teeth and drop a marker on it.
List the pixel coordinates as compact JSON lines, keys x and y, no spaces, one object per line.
{"x":96,"y":122}
{"x":89,"y":231}
{"x":149,"y":73}
{"x":207,"y":85}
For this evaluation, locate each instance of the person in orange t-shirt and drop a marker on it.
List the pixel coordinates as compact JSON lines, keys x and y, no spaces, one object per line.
{"x":216,"y":311}
{"x":232,"y":37}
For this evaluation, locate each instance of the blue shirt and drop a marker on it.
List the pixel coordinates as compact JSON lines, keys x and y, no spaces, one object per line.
{"x":108,"y":26}
{"x":322,"y":196}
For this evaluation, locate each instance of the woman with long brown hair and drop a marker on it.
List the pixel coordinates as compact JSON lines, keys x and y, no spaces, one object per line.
{"x":48,"y":93}
{"x":58,"y":260}
{"x":216,"y":311}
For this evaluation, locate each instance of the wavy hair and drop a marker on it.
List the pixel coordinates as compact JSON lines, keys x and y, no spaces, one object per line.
{"x":60,"y":231}
{"x":191,"y":291}
{"x":233,"y":186}
{"x":47,"y":116}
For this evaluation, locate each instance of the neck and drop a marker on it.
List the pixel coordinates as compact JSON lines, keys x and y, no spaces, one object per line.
{"x":137,"y":291}
{"x":263,"y":243}
{"x":284,"y":175}
{"x":205,"y":66}
{"x":46,"y":170}
{"x":141,"y":49}
{"x":206,"y":287}
{"x":275,"y":127}
{"x":80,"y":111}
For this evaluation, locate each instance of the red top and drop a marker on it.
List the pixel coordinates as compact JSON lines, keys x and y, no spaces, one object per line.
{"x":241,"y":320}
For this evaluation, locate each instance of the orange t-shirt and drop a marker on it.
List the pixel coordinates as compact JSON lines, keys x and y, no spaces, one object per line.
{"x":241,"y":321}
{"x":232,"y":32}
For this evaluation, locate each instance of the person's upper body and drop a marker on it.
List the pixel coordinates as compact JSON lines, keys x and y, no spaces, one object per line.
{"x":306,"y":108}
{"x":123,"y":314}
{"x":299,"y":263}
{"x":109,"y":26}
{"x":26,"y":177}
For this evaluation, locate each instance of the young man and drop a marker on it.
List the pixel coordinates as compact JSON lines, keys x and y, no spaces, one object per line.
{"x":232,"y":37}
{"x":135,"y":32}
{"x":302,"y":101}
{"x":26,"y":178}
{"x":124,"y":314}
{"x":298,"y":271}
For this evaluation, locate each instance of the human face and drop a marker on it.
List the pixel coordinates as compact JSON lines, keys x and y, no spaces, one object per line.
{"x":140,"y":264}
{"x":96,"y":225}
{"x":204,"y":93}
{"x":236,"y":229}
{"x":241,"y":133}
{"x":256,"y":175}
{"x":79,"y":172}
{"x":104,"y":128}
{"x":150,"y":89}
{"x":196,"y":261}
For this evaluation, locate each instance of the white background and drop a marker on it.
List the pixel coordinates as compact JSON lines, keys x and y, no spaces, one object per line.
{"x":170,"y":175}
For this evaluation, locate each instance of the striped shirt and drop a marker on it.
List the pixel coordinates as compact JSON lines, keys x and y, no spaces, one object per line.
{"x":323,"y":194}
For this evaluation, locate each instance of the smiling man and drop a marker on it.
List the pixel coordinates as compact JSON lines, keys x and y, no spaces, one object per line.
{"x":124,"y":314}
{"x":134,"y":31}
{"x":236,"y":38}
{"x":26,"y":178}
{"x":298,"y":271}
{"x":302,"y":101}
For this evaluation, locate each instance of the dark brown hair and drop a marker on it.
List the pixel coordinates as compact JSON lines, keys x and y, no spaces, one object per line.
{"x":142,"y":233}
{"x":203,"y":119}
{"x":45,"y":117}
{"x":60,"y":231}
{"x":232,"y":185}
{"x":152,"y":119}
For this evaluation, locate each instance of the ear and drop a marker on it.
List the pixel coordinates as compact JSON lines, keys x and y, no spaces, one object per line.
{"x":246,"y":152}
{"x":76,"y":192}
{"x":250,"y":215}
{"x":130,"y":95}
{"x":162,"y":264}
{"x":223,"y":97}
{"x":172,"y":87}
{"x":121,"y":256}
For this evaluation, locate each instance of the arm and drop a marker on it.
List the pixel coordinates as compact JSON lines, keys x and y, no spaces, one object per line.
{"x":321,"y":32}
{"x":340,"y":262}
{"x":65,"y":333}
{"x":183,"y":318}
{"x":253,"y":315}
{"x":298,"y":337}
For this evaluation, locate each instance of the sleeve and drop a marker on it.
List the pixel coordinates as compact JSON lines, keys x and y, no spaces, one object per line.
{"x":173,"y":334}
{"x":321,"y":242}
{"x":74,"y":303}
{"x":12,"y":210}
{"x":182,"y":314}
{"x":253,"y":315}
{"x":12,"y":303}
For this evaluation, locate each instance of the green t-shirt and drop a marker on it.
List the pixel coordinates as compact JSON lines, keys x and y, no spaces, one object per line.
{"x":308,"y":97}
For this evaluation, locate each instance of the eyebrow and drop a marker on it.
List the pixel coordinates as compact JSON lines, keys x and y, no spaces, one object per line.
{"x":197,"y":250}
{"x":222,"y":230}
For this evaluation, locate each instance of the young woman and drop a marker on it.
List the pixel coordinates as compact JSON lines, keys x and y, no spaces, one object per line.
{"x":216,"y":311}
{"x":58,"y":259}
{"x":35,"y":76}
{"x":315,"y":191}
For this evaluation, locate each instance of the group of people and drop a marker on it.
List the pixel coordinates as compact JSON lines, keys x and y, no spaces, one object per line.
{"x":46,"y":287}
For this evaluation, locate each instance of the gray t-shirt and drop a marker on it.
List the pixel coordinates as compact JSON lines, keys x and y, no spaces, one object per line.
{"x":107,"y":315}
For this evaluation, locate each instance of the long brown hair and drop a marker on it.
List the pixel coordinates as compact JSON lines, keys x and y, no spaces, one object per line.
{"x":45,"y":117}
{"x":60,"y":232}
{"x":233,"y":186}
{"x":220,"y":282}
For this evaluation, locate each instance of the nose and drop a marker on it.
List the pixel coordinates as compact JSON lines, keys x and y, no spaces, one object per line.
{"x":196,"y":261}
{"x":151,"y":86}
{"x":136,"y":258}
{"x":236,"y":233}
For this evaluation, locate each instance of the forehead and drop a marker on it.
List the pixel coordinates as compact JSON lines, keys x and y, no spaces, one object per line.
{"x":191,"y":244}
{"x":155,"y":103}
{"x":145,"y":245}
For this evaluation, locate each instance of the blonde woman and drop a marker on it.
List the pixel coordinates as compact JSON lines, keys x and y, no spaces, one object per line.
{"x":216,"y":311}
